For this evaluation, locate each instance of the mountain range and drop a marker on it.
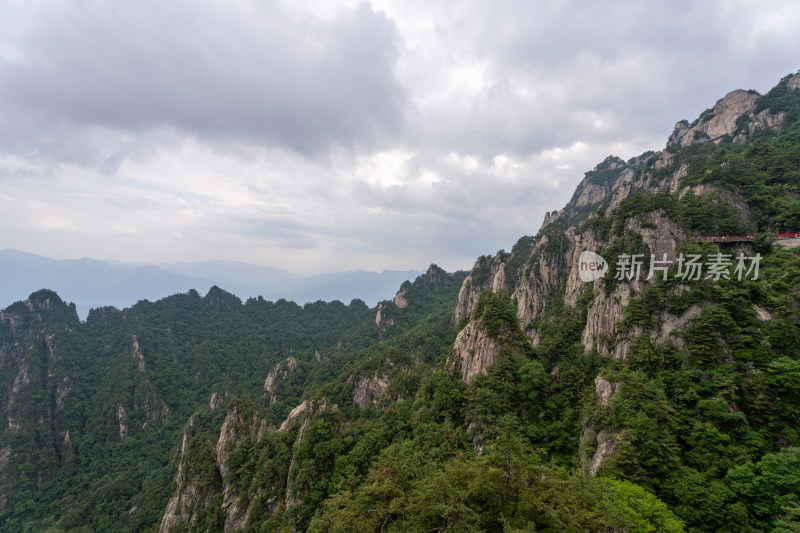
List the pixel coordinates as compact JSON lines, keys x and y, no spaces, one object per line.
{"x":519,"y":396}
{"x":92,"y":283}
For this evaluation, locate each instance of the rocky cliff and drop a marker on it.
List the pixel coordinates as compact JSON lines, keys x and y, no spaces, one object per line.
{"x":610,"y":214}
{"x":210,"y":479}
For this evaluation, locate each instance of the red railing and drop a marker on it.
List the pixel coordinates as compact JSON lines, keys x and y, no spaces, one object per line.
{"x":747,"y":238}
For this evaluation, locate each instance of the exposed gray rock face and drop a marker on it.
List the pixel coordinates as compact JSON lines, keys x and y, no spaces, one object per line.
{"x":304,"y":411}
{"x":670,"y":326}
{"x":607,"y":309}
{"x":591,"y":194}
{"x":306,"y":406}
{"x":176,"y":512}
{"x":551,"y":217}
{"x":623,"y":186}
{"x":277,"y":375}
{"x":368,"y":389}
{"x":215,"y":401}
{"x":762,"y":314}
{"x":138,"y":355}
{"x":794,"y":82}
{"x":186,"y":507}
{"x":604,"y":390}
{"x":294,"y":414}
{"x":605,"y":441}
{"x":122,"y":419}
{"x":719,"y":122}
{"x":606,"y":446}
{"x":574,"y":284}
{"x":474,"y":284}
{"x":236,"y":429}
{"x":400,"y":299}
{"x":603,"y":315}
{"x":475,"y":351}
{"x":382,"y":321}
{"x":726,"y":196}
{"x":198,"y":490}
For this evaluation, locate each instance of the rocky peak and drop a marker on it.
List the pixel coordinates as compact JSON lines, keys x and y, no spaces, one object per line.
{"x":717,"y":122}
{"x":434,"y":273}
{"x":488,"y":273}
{"x":793,"y":83}
{"x":400,"y":298}
{"x":310,"y":406}
{"x":549,"y":218}
{"x":222,"y":300}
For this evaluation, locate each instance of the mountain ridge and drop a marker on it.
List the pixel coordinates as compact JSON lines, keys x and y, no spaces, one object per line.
{"x":93,"y":283}
{"x":510,"y":397}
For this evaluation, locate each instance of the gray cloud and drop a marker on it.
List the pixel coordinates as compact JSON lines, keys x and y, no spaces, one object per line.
{"x":257,"y":71}
{"x":343,"y":135}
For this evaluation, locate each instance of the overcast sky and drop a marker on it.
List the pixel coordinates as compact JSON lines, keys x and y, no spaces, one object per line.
{"x":323,"y":136}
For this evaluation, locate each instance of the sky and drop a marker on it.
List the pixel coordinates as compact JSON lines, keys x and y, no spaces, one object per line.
{"x":329,"y":135}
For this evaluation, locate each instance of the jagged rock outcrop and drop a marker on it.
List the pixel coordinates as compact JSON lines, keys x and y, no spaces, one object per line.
{"x":724,"y":119}
{"x":604,"y":390}
{"x":196,"y":486}
{"x":205,"y":480}
{"x":716,"y":123}
{"x":305,"y":411}
{"x":236,"y":429}
{"x":203,"y":471}
{"x":669,"y":327}
{"x":368,"y":389}
{"x":595,"y":446}
{"x":549,"y":218}
{"x":400,"y":298}
{"x":762,"y":314}
{"x":486,"y":274}
{"x":474,"y":351}
{"x":380,"y":320}
{"x":593,"y":191}
{"x":606,"y":446}
{"x":122,"y":418}
{"x":215,"y":402}
{"x":138,"y":356}
{"x":550,"y":266}
{"x":307,"y":406}
{"x":606,"y":311}
{"x":277,"y":375}
{"x":409,"y":294}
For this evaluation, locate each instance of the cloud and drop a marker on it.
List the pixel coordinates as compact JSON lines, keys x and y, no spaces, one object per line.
{"x":343,"y":134}
{"x":264,"y":72}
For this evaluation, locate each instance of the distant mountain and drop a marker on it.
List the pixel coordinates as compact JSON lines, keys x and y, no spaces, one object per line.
{"x":90,"y":283}
{"x":230,"y":272}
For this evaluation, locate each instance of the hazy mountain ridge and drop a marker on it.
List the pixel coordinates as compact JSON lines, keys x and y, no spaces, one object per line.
{"x":91,"y":283}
